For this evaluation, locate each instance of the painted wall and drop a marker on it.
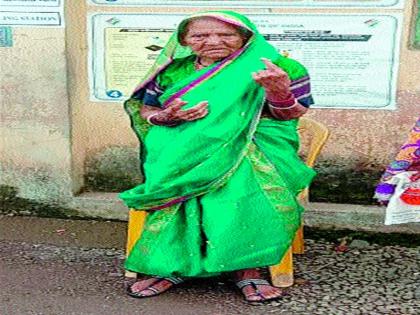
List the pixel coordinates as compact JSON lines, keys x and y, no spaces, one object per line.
{"x":56,"y":143}
{"x":35,"y":121}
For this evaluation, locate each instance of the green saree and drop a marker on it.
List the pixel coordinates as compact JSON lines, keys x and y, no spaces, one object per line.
{"x":220,"y":191}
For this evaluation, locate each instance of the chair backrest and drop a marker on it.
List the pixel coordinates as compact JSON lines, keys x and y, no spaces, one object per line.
{"x":318,"y":135}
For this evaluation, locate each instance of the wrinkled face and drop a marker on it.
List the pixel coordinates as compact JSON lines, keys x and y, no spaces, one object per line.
{"x":212,"y":39}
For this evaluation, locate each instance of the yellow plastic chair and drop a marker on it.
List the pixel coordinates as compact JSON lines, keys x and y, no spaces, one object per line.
{"x":281,"y":274}
{"x":316,"y":135}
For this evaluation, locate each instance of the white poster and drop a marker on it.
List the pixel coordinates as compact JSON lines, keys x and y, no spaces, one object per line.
{"x":340,"y":51}
{"x":31,"y":3}
{"x":122,"y":48}
{"x":32,"y":13}
{"x":30,"y":18}
{"x":352,"y":59}
{"x":255,"y":3}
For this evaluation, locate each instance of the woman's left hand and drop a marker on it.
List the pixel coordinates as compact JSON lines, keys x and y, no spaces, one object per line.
{"x":274,"y":80}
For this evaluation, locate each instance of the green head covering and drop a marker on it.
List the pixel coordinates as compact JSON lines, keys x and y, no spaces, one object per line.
{"x":174,"y":49}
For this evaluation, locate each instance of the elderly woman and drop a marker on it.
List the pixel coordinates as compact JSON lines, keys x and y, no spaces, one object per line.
{"x":220,"y":157}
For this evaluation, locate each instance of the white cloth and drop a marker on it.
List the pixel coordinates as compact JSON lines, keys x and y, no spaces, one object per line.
{"x":398,"y":211}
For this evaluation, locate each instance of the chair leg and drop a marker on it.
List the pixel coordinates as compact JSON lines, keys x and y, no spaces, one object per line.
{"x":298,"y":242}
{"x":135,"y":227}
{"x":298,"y":245}
{"x":282,"y":274}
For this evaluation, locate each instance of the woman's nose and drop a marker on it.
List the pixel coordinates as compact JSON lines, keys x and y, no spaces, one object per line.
{"x":214,"y":39}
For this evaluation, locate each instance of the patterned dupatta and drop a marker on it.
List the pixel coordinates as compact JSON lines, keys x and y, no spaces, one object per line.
{"x":408,"y":159}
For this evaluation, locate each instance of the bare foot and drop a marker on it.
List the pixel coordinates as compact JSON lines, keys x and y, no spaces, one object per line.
{"x":152,"y":286}
{"x":254,"y":288}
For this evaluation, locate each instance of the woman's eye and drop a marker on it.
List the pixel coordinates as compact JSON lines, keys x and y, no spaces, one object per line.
{"x":229,"y":35}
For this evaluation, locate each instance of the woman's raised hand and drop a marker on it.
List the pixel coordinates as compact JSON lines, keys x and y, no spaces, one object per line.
{"x":174,"y":111}
{"x":274,"y":80}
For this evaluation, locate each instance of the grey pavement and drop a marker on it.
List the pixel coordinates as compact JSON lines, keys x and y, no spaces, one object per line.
{"x":53,"y":266}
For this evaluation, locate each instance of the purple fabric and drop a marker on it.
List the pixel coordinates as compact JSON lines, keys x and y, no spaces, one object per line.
{"x":301,"y":90}
{"x":299,"y":80}
{"x":170,"y":203}
{"x":385,"y":189}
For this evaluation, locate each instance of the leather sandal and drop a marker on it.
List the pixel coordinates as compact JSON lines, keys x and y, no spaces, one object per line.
{"x":138,"y":294}
{"x":254,"y":284}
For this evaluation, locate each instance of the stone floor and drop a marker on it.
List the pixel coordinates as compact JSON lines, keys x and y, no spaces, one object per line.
{"x":38,"y":277}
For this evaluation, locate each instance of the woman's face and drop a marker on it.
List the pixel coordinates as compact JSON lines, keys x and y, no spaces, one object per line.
{"x":212,"y":39}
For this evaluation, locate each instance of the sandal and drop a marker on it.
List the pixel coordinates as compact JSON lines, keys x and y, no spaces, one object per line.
{"x":254,"y":283}
{"x":138,"y":294}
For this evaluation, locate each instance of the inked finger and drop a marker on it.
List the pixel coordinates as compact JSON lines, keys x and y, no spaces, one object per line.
{"x":270,"y":65}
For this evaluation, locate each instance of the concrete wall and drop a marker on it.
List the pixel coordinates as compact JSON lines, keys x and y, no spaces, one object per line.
{"x":35,"y":120}
{"x":56,"y":143}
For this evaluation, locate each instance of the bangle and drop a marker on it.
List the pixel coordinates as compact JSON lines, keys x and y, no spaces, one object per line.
{"x":281,"y":108}
{"x":149,"y":118}
{"x":289,"y":101}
